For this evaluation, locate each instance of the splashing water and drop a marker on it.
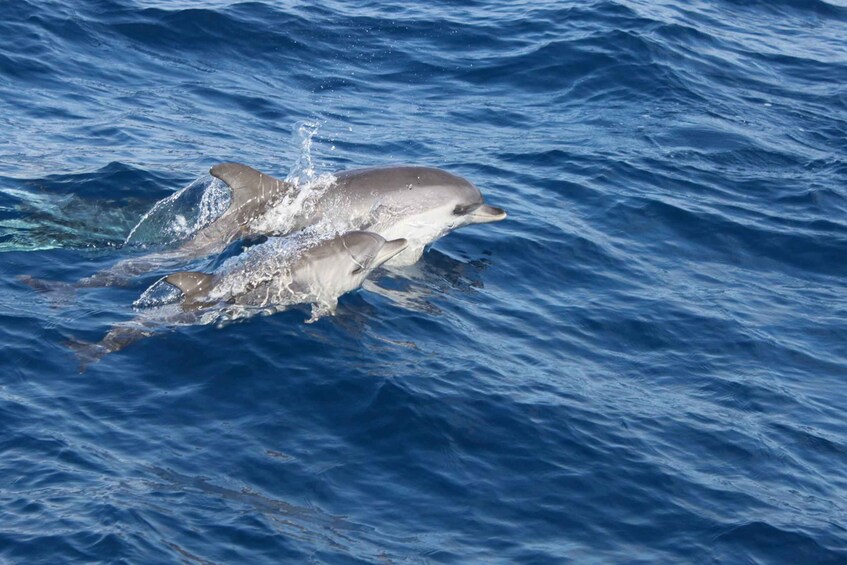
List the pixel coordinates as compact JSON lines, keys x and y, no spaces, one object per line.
{"x":259,"y":264}
{"x":182,"y":214}
{"x":303,"y":170}
{"x":292,"y":207}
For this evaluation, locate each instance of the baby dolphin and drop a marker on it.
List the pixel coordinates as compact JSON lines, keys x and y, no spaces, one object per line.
{"x":266,"y":278}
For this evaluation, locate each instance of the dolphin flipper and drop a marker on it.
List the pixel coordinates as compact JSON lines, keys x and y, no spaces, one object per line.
{"x":251,"y":190}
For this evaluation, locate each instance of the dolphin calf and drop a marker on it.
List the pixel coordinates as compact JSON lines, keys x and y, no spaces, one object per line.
{"x":267,"y":278}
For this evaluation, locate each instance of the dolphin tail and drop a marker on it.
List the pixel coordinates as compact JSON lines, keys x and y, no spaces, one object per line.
{"x":58,"y":293}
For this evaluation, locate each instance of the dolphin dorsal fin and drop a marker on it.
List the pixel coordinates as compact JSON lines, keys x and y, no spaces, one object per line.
{"x":192,"y":284}
{"x":250,"y":188}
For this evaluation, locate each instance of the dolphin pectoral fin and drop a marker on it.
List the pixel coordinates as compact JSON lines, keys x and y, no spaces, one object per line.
{"x":485,"y":214}
{"x":251,"y":190}
{"x":321,"y":309}
{"x":194,"y":285}
{"x":390,"y":249}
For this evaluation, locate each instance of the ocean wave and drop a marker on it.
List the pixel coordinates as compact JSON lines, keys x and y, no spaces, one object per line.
{"x":646,"y":359}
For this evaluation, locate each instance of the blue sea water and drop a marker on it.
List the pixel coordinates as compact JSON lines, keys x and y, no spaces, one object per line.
{"x":646,"y":362}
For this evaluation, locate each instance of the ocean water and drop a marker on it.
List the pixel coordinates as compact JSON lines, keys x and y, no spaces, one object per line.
{"x":646,"y":362}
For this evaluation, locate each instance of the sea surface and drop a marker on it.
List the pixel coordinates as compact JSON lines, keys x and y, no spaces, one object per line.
{"x":646,"y":362}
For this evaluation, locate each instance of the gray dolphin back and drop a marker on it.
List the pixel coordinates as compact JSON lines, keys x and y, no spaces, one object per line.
{"x":399,"y":176}
{"x":401,"y":182}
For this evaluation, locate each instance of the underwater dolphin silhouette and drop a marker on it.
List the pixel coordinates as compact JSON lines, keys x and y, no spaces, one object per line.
{"x":267,"y":278}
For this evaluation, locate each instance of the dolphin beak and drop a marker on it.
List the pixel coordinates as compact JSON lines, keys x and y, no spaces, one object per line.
{"x":485,"y":214}
{"x":390,"y":249}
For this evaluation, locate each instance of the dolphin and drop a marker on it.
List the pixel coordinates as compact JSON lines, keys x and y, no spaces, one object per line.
{"x":267,"y":278}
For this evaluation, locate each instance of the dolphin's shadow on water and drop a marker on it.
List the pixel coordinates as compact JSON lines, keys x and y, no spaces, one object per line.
{"x":307,"y":523}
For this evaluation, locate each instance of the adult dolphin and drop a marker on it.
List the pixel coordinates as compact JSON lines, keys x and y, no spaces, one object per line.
{"x":267,"y":278}
{"x":419,"y":204}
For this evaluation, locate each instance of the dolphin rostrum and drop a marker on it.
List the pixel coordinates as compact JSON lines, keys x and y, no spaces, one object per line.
{"x":267,"y":278}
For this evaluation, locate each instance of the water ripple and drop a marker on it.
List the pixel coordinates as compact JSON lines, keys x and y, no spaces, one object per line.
{"x":645,"y":362}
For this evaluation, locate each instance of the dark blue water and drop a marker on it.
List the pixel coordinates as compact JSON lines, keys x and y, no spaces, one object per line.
{"x":646,"y":362}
